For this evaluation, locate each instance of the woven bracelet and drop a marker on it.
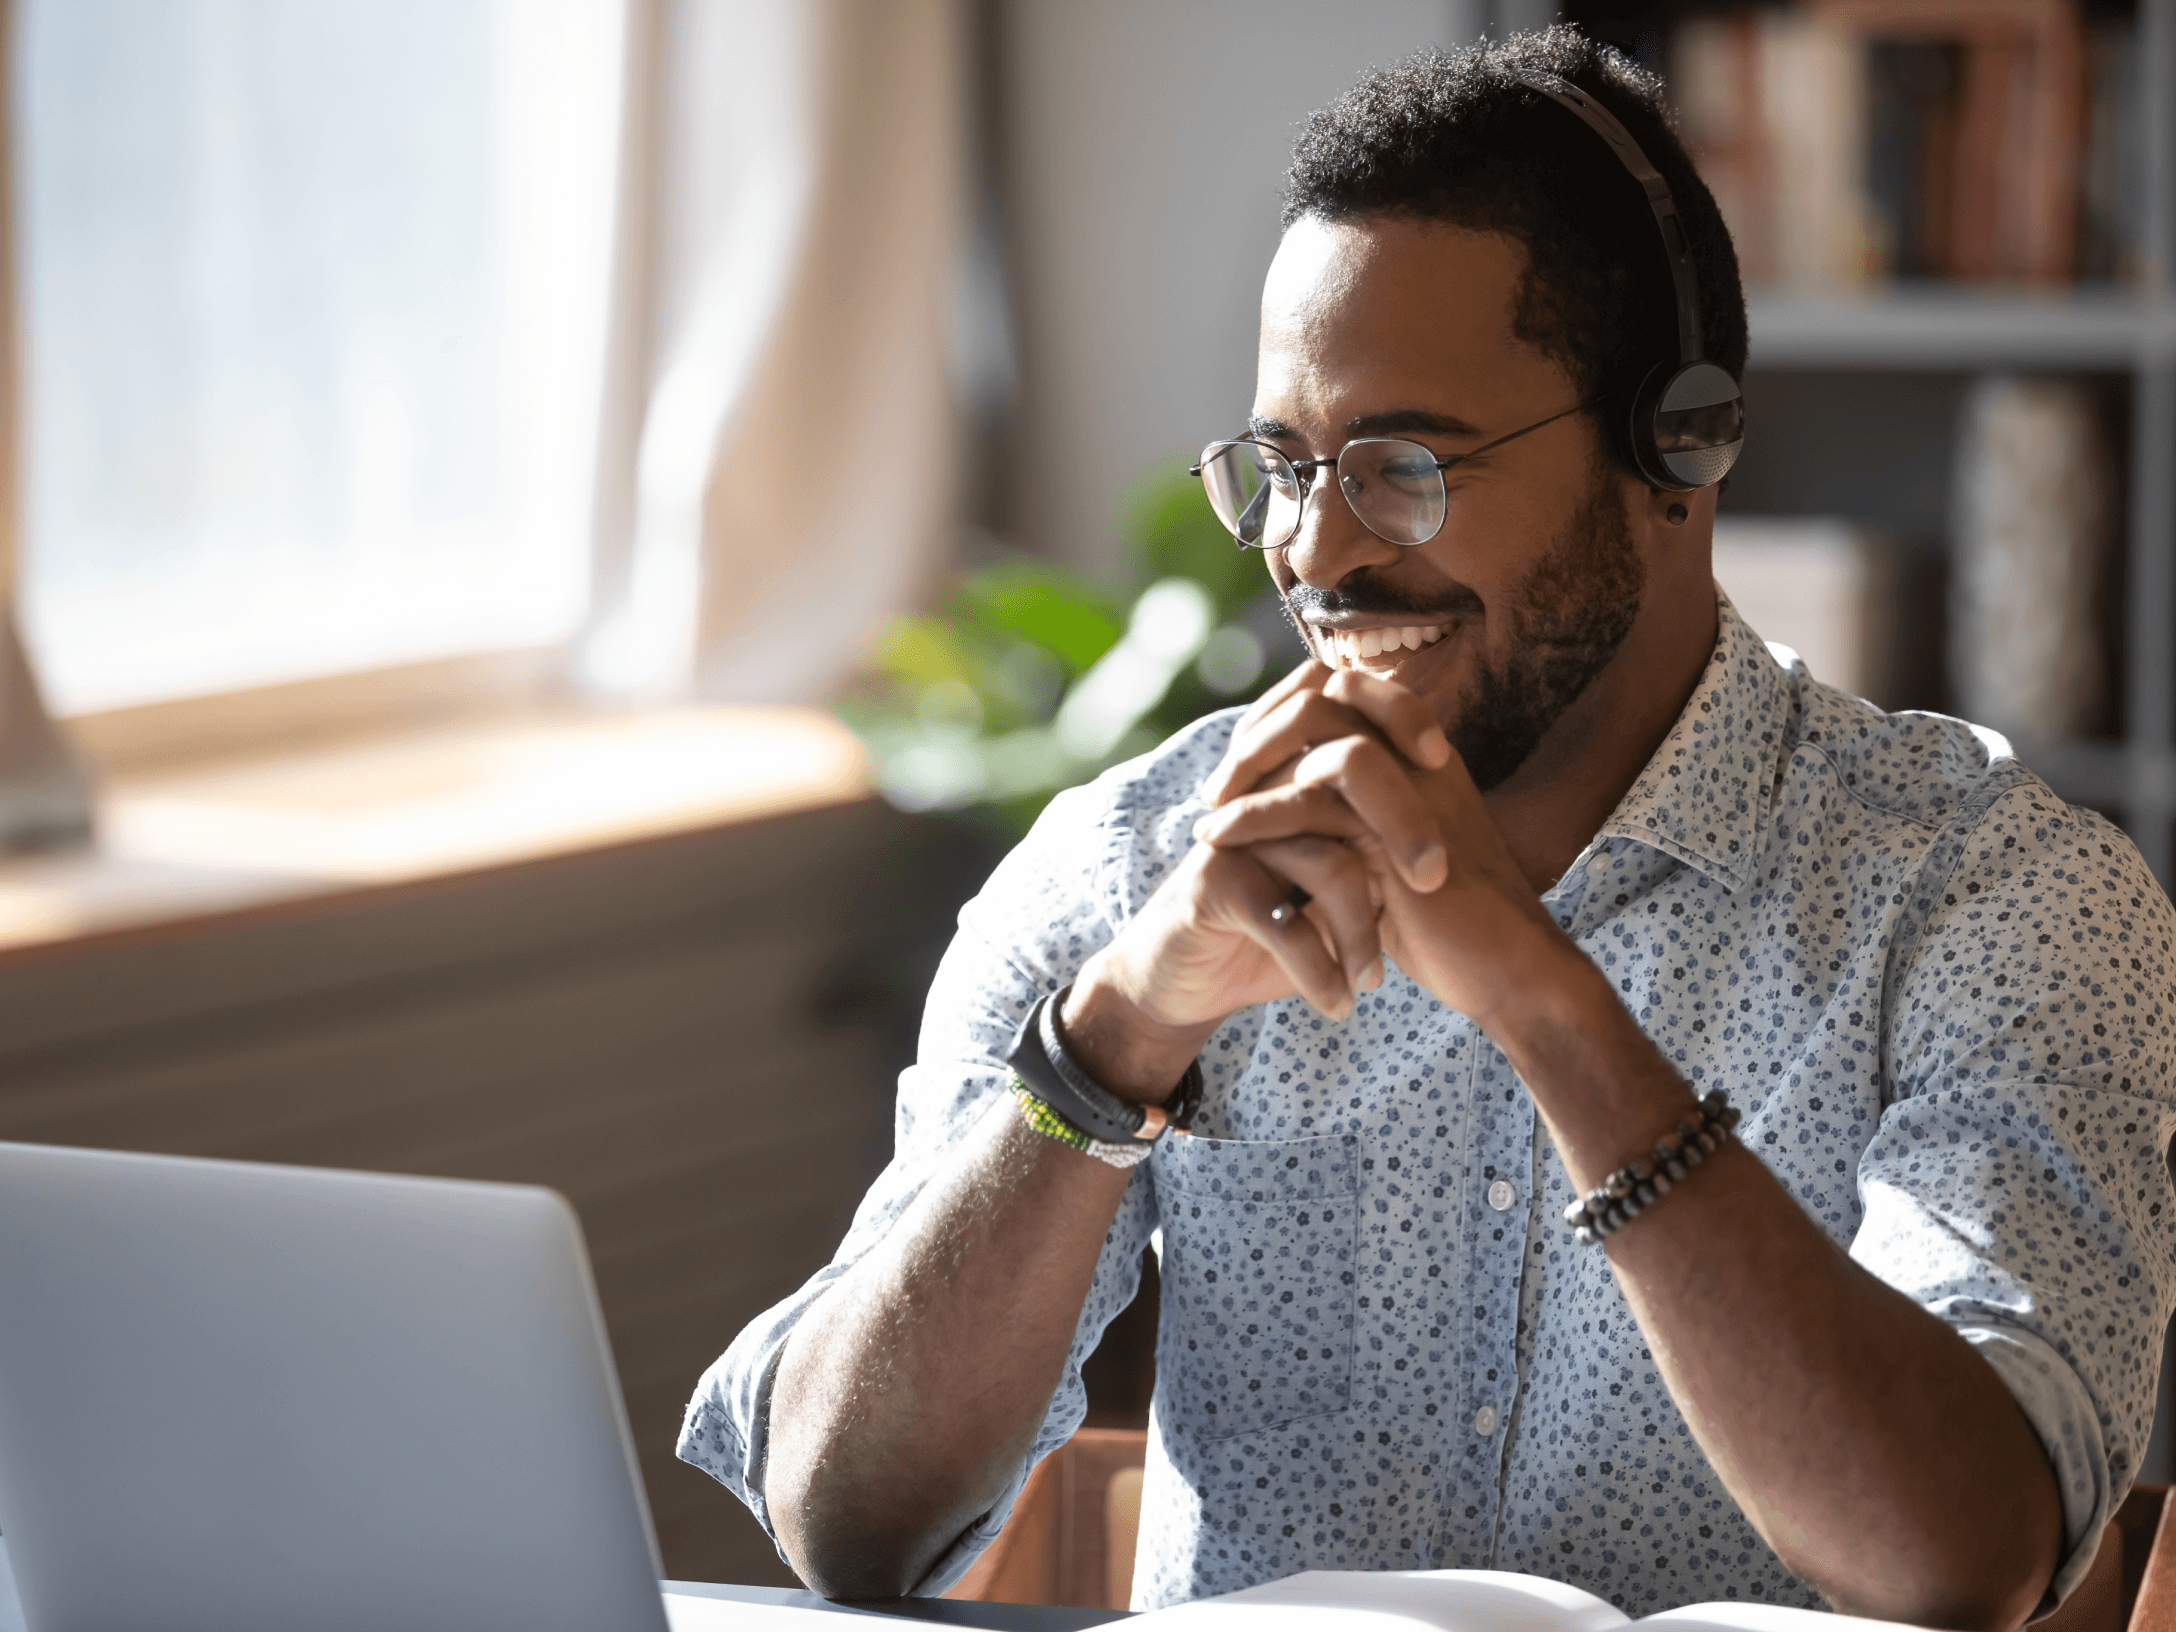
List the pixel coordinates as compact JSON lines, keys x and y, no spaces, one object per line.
{"x":1047,"y":1122}
{"x":1630,"y":1191}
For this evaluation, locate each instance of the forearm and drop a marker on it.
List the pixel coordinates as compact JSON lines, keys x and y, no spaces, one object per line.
{"x":1884,"y":1461}
{"x":908,"y":1394}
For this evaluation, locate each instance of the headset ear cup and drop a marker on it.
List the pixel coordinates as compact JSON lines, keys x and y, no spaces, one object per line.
{"x":1688,"y":426}
{"x":1614,"y":414}
{"x":1639,"y":430}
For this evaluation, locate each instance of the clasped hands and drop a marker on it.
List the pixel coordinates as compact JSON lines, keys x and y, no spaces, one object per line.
{"x":1342,"y":783}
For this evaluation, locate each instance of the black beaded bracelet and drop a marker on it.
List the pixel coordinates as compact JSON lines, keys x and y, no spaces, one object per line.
{"x":1630,"y":1191}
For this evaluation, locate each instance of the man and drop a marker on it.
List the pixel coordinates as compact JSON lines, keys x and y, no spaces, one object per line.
{"x":1458,"y":920}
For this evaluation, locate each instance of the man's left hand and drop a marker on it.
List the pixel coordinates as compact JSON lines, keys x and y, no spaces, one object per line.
{"x":1459,"y":916}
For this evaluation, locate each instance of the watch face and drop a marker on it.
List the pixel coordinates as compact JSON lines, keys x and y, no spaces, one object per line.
{"x":1185,"y":1101}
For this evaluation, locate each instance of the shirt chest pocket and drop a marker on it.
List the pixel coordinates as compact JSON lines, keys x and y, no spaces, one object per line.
{"x":1258,"y":1302}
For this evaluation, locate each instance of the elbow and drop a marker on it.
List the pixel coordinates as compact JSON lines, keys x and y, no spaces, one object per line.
{"x":2003,"y":1597}
{"x":1978,"y":1610}
{"x":855,"y":1567}
{"x":844,"y":1547}
{"x":1978,"y":1606}
{"x":1954,"y":1589}
{"x":850,"y":1575}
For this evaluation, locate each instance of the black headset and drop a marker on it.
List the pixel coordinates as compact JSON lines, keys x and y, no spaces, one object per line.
{"x":1686,"y":423}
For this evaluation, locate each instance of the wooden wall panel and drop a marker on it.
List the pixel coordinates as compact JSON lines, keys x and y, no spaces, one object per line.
{"x":644,"y":1029}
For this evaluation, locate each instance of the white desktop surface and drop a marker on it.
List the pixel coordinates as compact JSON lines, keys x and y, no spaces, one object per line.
{"x":685,"y":1613}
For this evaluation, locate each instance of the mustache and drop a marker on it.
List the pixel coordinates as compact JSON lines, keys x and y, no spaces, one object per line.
{"x":1362,"y":596}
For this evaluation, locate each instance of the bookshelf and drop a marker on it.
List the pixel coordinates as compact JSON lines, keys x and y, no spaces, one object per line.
{"x":2086,"y":330}
{"x":1915,"y":329}
{"x":1899,"y":337}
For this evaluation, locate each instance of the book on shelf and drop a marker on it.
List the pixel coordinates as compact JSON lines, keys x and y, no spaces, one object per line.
{"x":2112,"y":170}
{"x":2032,"y":517}
{"x":1849,"y":141}
{"x":2031,"y":527}
{"x":1460,"y":1601}
{"x":1772,"y":102}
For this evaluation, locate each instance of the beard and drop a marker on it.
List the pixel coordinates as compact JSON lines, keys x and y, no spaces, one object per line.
{"x":1567,"y":617}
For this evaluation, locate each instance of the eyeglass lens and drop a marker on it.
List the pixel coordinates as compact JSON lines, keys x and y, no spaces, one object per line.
{"x":1393,"y":486}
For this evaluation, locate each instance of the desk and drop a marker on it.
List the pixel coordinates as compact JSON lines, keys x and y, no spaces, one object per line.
{"x":942,"y":1611}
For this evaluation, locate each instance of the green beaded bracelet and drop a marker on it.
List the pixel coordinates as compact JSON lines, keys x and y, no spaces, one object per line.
{"x":1047,"y":1122}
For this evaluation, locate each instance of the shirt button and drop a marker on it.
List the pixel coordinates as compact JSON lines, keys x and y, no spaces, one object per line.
{"x":1484,"y":1421}
{"x":1501,"y":1195}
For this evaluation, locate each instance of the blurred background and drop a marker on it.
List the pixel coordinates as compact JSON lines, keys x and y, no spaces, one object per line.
{"x":550,"y":543}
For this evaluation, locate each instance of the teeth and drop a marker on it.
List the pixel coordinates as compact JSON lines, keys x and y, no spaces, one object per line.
{"x":1351,"y":649}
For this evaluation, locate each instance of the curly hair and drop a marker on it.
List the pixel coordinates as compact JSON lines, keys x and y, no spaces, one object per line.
{"x":1453,"y":137}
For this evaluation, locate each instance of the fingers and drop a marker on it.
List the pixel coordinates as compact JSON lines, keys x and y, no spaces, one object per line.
{"x":1348,"y":789}
{"x":1283,"y":812}
{"x":1406,"y":722}
{"x":1307,"y":676}
{"x":1275,"y":737}
{"x":1268,"y":717}
{"x":1330,"y":948}
{"x":1317,"y":705}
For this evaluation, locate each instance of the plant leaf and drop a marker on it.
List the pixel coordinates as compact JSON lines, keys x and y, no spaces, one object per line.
{"x":1177,"y":535}
{"x":1062,"y":614}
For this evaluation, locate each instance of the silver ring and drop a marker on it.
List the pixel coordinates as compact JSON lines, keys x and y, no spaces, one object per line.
{"x":1289,"y":909}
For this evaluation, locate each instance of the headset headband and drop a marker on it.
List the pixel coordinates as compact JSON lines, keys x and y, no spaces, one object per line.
{"x":1659,"y":199}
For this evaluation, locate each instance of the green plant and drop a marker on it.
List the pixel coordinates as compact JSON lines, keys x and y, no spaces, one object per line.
{"x":1035,"y":678}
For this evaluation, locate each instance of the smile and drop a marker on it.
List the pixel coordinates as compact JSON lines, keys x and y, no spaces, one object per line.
{"x":1350,"y":648}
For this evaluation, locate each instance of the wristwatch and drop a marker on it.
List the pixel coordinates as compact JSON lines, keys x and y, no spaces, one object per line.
{"x":1053,"y":1076}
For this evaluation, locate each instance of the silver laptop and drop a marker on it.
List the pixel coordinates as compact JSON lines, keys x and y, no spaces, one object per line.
{"x":244,"y":1398}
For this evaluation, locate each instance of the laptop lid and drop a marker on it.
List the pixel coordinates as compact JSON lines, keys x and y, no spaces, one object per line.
{"x":238,"y":1397}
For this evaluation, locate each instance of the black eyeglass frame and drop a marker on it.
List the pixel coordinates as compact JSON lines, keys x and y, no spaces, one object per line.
{"x":1303,"y":470}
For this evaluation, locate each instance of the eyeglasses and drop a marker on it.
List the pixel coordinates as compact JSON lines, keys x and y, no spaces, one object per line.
{"x":1395,"y":487}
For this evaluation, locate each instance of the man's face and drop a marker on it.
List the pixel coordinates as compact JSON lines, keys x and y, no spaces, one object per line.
{"x":1502,"y":620}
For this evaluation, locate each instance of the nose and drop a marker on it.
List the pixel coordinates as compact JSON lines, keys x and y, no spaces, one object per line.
{"x":1331,"y":544}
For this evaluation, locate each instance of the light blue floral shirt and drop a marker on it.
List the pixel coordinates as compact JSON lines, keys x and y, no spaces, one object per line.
{"x":1940,"y":996}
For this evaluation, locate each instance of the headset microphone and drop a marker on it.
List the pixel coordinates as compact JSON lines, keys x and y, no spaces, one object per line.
{"x":1687,"y":420}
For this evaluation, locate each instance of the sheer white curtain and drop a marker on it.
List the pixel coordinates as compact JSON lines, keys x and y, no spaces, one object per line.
{"x":45,"y":788}
{"x":778,"y":451}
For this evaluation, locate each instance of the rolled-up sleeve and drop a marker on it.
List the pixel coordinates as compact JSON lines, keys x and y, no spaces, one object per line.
{"x":2018,"y":1185}
{"x":1054,"y":901}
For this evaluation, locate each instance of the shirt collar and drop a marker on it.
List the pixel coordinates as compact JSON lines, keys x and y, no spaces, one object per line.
{"x":1706,"y":795}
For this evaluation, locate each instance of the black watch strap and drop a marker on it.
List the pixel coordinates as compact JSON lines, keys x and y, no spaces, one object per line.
{"x":1053,"y":1076}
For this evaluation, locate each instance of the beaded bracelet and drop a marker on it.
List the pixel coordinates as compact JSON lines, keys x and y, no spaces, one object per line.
{"x":1047,"y":1122}
{"x":1630,"y":1191}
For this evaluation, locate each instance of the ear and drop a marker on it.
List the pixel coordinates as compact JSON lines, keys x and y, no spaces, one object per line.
{"x":1680,"y":555}
{"x":1666,"y":511}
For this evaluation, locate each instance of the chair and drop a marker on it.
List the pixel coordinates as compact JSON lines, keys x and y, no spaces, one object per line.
{"x":1071,"y":1536}
{"x":2132,"y":1584}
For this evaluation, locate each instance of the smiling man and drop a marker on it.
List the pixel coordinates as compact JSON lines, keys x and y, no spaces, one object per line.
{"x":1655,"y":1121}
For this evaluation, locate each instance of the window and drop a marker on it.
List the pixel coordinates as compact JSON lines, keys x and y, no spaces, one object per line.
{"x":314,"y":300}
